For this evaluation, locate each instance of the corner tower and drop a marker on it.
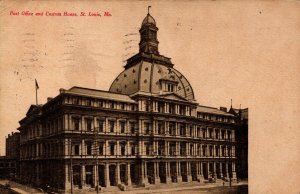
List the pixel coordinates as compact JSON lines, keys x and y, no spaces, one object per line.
{"x":148,"y":72}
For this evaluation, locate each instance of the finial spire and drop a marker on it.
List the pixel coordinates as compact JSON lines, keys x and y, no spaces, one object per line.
{"x":231,"y":102}
{"x":149,"y":9}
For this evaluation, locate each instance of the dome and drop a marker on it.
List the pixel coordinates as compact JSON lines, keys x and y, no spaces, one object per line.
{"x":147,"y":78}
{"x":148,"y":20}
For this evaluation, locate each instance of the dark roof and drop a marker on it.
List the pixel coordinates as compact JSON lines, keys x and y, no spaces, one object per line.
{"x":212,"y":110}
{"x":99,"y":94}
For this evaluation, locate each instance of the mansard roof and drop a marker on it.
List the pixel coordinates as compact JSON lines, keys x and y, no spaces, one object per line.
{"x":99,"y":94}
{"x":212,"y":110}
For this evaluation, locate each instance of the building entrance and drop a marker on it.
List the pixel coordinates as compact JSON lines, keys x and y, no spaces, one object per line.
{"x":101,"y":175}
{"x":194,"y":171}
{"x":183,"y":169}
{"x":150,"y":172}
{"x":205,"y":170}
{"x":112,"y":175}
{"x":173,"y":171}
{"x":162,"y":172}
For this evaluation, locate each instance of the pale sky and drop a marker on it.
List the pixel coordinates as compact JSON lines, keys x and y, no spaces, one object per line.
{"x":247,"y":51}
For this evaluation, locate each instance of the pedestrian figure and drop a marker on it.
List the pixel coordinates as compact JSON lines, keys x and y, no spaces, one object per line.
{"x":223,"y":183}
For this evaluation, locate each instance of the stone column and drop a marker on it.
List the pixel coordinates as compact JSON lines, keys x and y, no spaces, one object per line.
{"x":118,"y":178}
{"x":128,"y":147}
{"x":106,"y":175}
{"x":67,"y":182}
{"x":66,"y":122}
{"x":142,"y":180}
{"x":128,"y":175}
{"x":156,"y":173}
{"x":221,"y":170}
{"x":215,"y":171}
{"x":117,"y":148}
{"x":107,"y":148}
{"x":95,"y":176}
{"x":178,"y":173}
{"x":188,"y":168}
{"x":209,"y":170}
{"x":83,"y":174}
{"x":82,"y":147}
{"x":233,"y":172}
{"x":227,"y":174}
{"x":168,"y":174}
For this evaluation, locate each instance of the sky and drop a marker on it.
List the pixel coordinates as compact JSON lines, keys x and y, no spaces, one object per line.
{"x":245,"y":51}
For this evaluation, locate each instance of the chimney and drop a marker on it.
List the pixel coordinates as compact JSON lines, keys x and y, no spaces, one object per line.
{"x":224,"y":109}
{"x":49,"y":98}
{"x":61,"y":90}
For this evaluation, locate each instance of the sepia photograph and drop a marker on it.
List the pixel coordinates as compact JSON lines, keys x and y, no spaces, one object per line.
{"x":149,"y":97}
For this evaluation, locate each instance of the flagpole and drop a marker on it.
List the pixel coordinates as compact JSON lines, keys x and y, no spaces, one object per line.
{"x":36,"y":99}
{"x":36,"y":88}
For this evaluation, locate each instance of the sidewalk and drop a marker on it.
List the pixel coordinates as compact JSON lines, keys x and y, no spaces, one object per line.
{"x":160,"y":188}
{"x":19,"y":188}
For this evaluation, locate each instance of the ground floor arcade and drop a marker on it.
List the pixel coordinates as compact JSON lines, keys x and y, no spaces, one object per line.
{"x":145,"y":172}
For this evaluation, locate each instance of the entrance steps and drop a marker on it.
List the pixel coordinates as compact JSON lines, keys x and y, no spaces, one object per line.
{"x":110,"y":189}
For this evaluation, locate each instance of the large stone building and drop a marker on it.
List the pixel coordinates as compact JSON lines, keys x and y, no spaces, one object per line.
{"x":147,"y":129}
{"x":9,"y":164}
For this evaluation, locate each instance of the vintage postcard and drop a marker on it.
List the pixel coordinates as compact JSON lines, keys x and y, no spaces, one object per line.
{"x":149,"y":97}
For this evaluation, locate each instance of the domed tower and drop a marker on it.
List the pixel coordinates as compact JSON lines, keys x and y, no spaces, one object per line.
{"x":149,"y":73}
{"x":148,"y":31}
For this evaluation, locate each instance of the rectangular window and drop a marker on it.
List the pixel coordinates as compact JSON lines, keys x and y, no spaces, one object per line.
{"x":111,"y":126}
{"x":122,"y":126}
{"x":172,"y":149}
{"x":122,"y":145}
{"x":132,"y":107}
{"x":217,"y":134}
{"x":192,"y":150}
{"x":172,"y":128}
{"x":217,"y":151}
{"x":182,"y":149}
{"x":89,"y":149}
{"x":88,"y":102}
{"x":210,"y":131}
{"x":204,"y":150}
{"x":112,"y":149}
{"x":76,"y":101}
{"x":147,"y":128}
{"x":161,"y":128}
{"x":229,"y":135}
{"x":147,"y":149}
{"x":133,"y":149}
{"x":122,"y":106}
{"x":204,"y":133}
{"x":76,"y":123}
{"x":132,"y":127}
{"x":100,"y":103}
{"x":160,"y":107}
{"x":76,"y":150}
{"x":198,"y":132}
{"x":172,"y":108}
{"x":191,"y":131}
{"x":182,"y":129}
{"x":223,"y":134}
{"x":101,"y":126}
{"x":210,"y":151}
{"x":88,"y":124}
{"x":101,"y":146}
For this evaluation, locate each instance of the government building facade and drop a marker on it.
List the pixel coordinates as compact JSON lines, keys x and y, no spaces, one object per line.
{"x":147,"y":129}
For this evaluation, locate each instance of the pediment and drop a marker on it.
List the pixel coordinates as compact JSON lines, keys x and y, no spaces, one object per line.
{"x":32,"y":109}
{"x":173,"y":96}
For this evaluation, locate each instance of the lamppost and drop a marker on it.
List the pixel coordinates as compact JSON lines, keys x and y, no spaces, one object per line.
{"x":71,"y":166}
{"x":96,"y":150}
{"x":228,"y":140}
